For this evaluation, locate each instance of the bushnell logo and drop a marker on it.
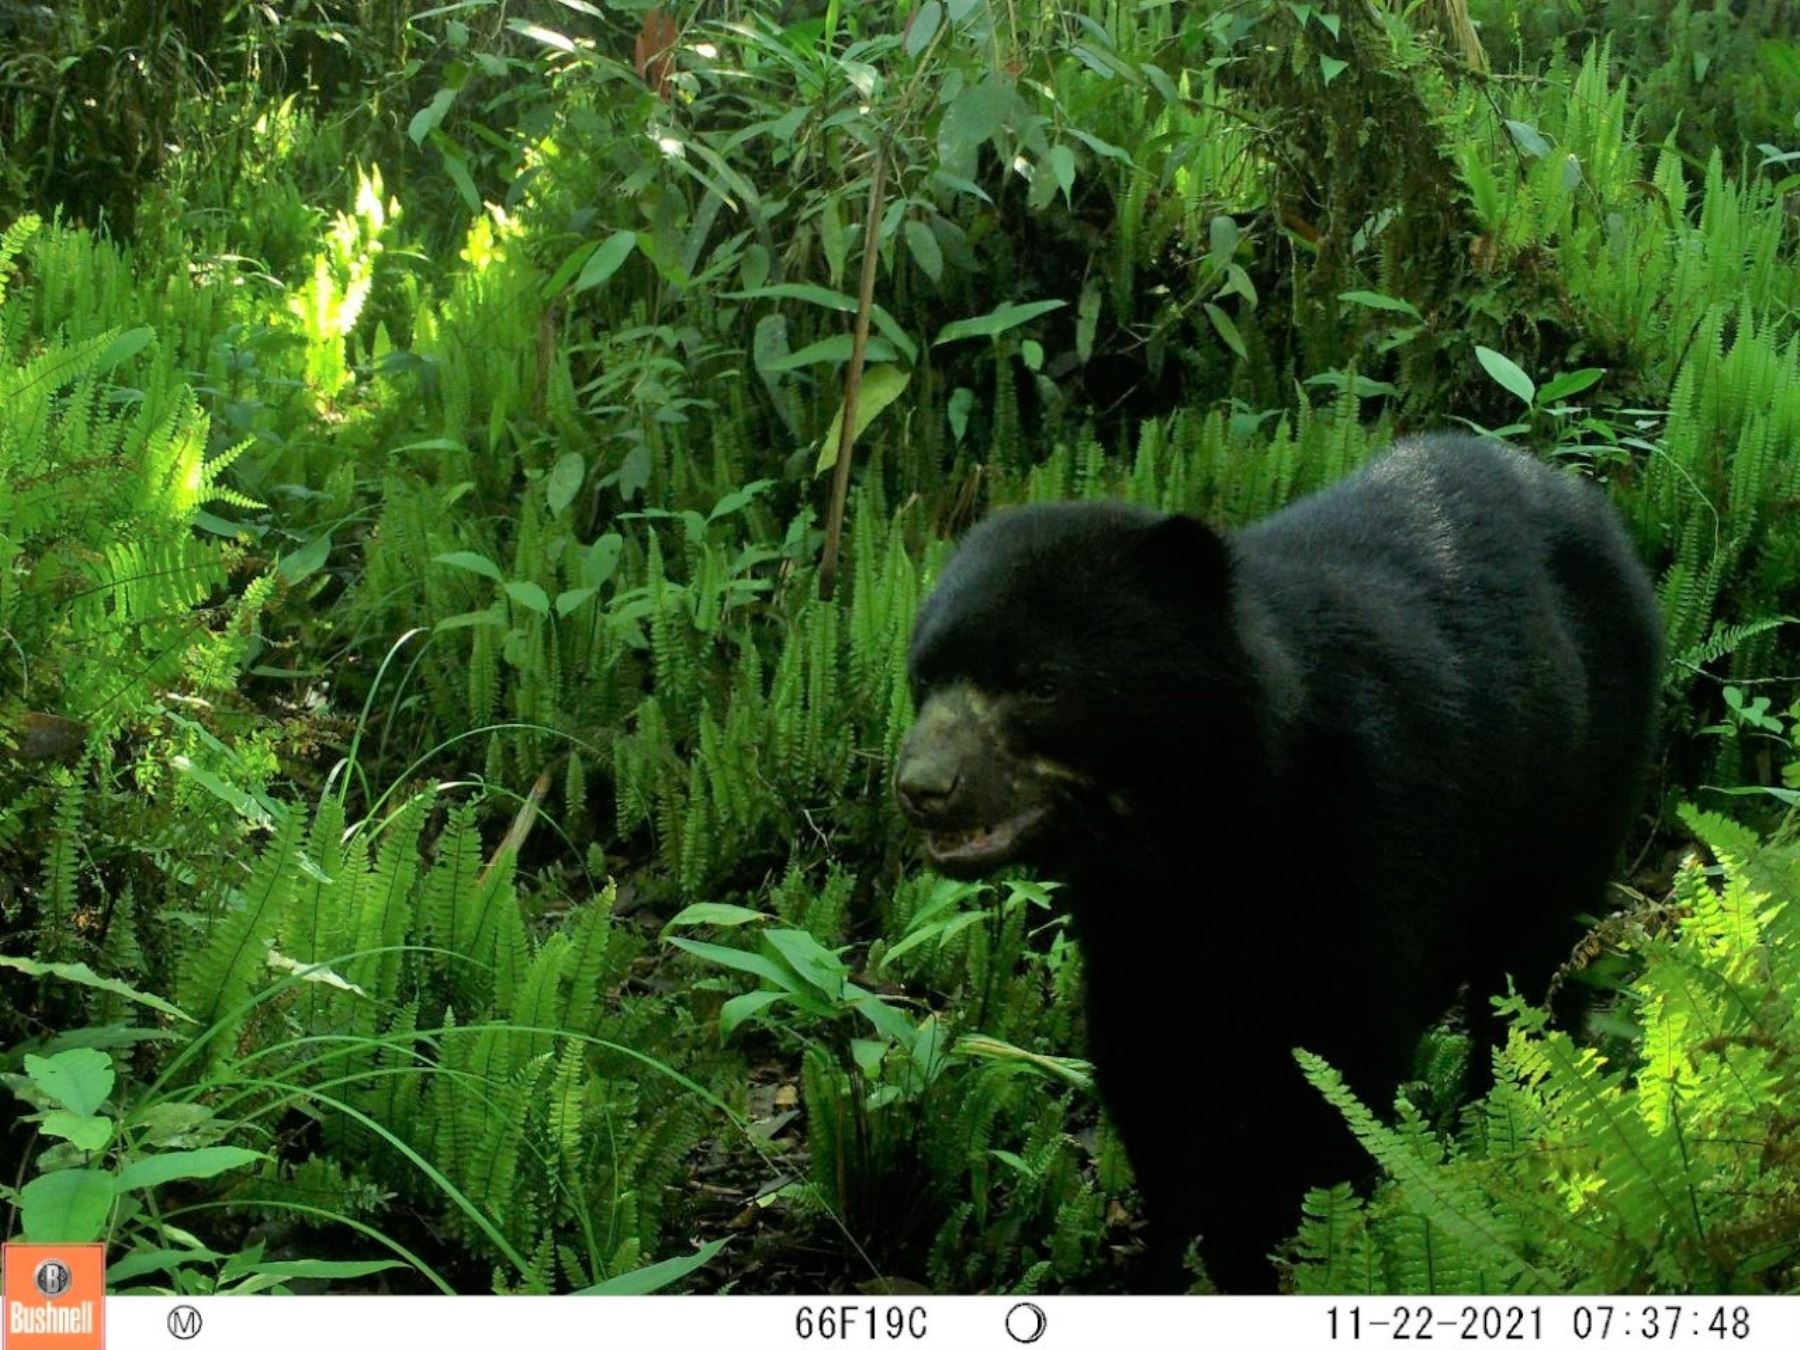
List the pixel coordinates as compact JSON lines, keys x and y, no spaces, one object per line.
{"x":52,"y":1278}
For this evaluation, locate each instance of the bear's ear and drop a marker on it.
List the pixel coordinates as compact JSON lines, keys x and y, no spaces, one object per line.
{"x":1185,"y":554}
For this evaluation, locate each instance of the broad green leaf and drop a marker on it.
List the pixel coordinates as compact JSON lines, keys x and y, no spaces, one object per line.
{"x":975,"y":115}
{"x":751,"y":963}
{"x":834,"y":239}
{"x":471,"y":562}
{"x":529,"y":594}
{"x":1078,"y":1072}
{"x":1507,"y":374}
{"x":1227,"y":330}
{"x":606,"y":259}
{"x":868,"y":1055}
{"x":733,"y":502}
{"x":602,"y":559}
{"x":1103,"y":60}
{"x":769,"y":343}
{"x":1002,"y":319}
{"x":962,"y":402}
{"x":923,"y":246}
{"x":830,"y":350}
{"x":1529,"y":138}
{"x":1013,"y":1161}
{"x":1569,"y":383}
{"x":84,"y":1132}
{"x":426,"y":120}
{"x":295,"y":567}
{"x":188,"y":1165}
{"x":890,"y":329}
{"x":649,"y":1279}
{"x":566,"y":269}
{"x":567,"y":602}
{"x":1087,"y":321}
{"x":78,"y":973}
{"x":153,"y":1260}
{"x":715,"y":912}
{"x":564,"y":482}
{"x":1100,"y":147}
{"x":883,"y":1016}
{"x":67,"y":1206}
{"x":1222,"y":239}
{"x":1062,"y":164}
{"x":634,"y":472}
{"x":312,"y":971}
{"x":1360,"y":385}
{"x":311,"y":1268}
{"x":945,"y":894}
{"x":959,"y":183}
{"x":754,"y":270}
{"x":810,"y":960}
{"x":881,"y":385}
{"x":465,"y":185}
{"x":1160,"y":81}
{"x":477,"y":618}
{"x":736,"y":1011}
{"x":1237,"y":282}
{"x":79,"y":1081}
{"x":919,"y":936}
{"x":922,"y":27}
{"x":122,"y":348}
{"x":1376,"y":300}
{"x":795,"y":290}
{"x":548,"y":36}
{"x":434,"y":443}
{"x":1330,"y":67}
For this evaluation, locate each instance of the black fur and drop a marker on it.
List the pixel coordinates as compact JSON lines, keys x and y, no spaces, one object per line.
{"x":1311,"y":778}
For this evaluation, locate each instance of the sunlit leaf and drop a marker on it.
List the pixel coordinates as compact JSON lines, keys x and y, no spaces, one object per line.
{"x":470,"y":562}
{"x":1005,"y":317}
{"x":1507,"y":374}
{"x":606,"y":259}
{"x":1569,"y":383}
{"x":881,"y":385}
{"x":426,"y":120}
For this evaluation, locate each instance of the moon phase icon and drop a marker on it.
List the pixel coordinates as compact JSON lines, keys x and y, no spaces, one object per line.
{"x":1025,"y":1322}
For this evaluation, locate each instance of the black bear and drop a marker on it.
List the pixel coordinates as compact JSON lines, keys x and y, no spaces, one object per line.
{"x":1302,"y":783}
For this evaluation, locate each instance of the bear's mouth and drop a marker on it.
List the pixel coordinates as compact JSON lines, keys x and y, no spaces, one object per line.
{"x":982,"y":847}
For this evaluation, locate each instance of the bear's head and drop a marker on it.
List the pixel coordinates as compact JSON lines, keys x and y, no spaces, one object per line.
{"x":1067,"y":663}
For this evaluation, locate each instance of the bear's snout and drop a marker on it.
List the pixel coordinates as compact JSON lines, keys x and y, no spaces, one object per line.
{"x":926,"y":785}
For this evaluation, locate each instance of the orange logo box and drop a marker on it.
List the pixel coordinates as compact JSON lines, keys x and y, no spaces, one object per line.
{"x":52,"y":1296}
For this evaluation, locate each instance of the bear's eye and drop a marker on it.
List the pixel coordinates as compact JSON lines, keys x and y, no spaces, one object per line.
{"x":1041,"y":688}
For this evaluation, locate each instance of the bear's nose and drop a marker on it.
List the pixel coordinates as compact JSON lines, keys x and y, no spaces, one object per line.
{"x":926,"y":785}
